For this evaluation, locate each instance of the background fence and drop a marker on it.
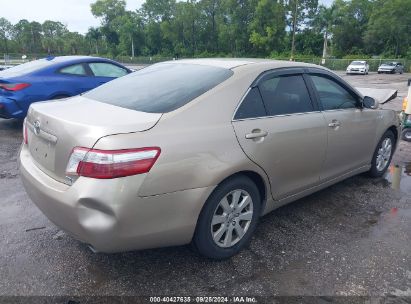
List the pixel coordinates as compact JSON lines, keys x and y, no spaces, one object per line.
{"x":331,"y":63}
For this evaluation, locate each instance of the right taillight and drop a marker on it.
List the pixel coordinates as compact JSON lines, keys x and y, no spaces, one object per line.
{"x":106,"y":164}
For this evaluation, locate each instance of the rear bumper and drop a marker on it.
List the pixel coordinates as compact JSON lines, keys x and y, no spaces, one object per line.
{"x":109,"y":215}
{"x":10,"y":109}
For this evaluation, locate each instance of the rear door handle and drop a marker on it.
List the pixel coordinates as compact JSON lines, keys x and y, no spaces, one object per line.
{"x":334,"y":124}
{"x":256,"y":134}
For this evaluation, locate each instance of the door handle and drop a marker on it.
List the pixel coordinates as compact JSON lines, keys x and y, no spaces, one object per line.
{"x":256,"y":134}
{"x":334,"y":124}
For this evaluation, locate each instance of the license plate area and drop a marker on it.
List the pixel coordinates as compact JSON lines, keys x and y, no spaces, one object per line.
{"x":42,"y":150}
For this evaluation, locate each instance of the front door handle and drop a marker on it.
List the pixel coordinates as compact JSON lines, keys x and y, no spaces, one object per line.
{"x":334,"y":124}
{"x":256,"y":133}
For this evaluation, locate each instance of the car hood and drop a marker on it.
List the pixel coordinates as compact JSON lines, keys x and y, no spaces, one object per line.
{"x":380,"y":95}
{"x":356,"y":66}
{"x":387,"y":66}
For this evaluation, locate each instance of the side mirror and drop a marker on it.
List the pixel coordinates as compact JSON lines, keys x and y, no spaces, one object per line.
{"x":369,"y":103}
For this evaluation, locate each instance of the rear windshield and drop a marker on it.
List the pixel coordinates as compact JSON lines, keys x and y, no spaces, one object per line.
{"x":25,"y":68}
{"x":160,"y":88}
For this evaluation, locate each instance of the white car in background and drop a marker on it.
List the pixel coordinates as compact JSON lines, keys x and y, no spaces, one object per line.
{"x":358,"y":67}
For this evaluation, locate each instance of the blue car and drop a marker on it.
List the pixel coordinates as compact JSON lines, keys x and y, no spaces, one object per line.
{"x":52,"y":78}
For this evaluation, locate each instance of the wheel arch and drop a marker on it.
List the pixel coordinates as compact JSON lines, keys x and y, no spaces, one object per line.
{"x":394,"y":130}
{"x":258,"y":180}
{"x":60,"y":95}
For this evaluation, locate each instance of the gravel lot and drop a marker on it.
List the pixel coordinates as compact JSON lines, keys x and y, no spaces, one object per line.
{"x":350,"y":239}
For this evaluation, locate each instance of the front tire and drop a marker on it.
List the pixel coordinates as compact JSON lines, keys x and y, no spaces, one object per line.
{"x":228,"y":219}
{"x":383,"y":154}
{"x":406,"y":134}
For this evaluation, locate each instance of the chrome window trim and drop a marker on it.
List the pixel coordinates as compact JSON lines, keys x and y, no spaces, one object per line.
{"x":274,"y":116}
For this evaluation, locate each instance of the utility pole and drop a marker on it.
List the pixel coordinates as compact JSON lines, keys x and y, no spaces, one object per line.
{"x":294,"y":26}
{"x":132,"y":47}
{"x":325,"y":47}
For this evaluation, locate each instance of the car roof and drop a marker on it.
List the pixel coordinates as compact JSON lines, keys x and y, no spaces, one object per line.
{"x":232,"y":63}
{"x":61,"y":59}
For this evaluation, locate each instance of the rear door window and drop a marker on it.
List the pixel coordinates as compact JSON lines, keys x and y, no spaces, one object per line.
{"x":160,"y":88}
{"x":103,"y":69}
{"x":252,"y":106}
{"x":286,"y":94}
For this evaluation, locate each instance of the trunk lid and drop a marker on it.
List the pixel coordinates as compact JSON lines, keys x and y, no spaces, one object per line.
{"x":55,"y":128}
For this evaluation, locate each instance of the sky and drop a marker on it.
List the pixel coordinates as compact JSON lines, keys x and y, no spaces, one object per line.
{"x":75,"y":14}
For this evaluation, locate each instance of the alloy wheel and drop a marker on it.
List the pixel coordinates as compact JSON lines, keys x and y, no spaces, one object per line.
{"x":232,"y":218}
{"x":384,"y":154}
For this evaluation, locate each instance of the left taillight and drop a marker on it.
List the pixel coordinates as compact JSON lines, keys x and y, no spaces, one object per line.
{"x":14,"y":86}
{"x":106,"y":164}
{"x":25,"y":133}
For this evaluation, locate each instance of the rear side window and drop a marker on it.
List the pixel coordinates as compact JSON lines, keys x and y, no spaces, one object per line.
{"x":75,"y":69}
{"x":252,"y":106}
{"x":160,"y":88}
{"x":102,"y":69}
{"x":285,"y":95}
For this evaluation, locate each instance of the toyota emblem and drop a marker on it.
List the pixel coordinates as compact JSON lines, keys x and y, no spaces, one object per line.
{"x":36,"y":127}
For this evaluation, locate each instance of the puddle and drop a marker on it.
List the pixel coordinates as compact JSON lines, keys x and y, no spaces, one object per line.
{"x":399,"y":176}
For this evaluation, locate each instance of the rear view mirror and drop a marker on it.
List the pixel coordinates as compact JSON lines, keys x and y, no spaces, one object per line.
{"x":369,"y":103}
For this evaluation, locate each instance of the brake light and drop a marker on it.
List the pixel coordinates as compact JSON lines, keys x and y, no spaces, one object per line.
{"x":106,"y":164}
{"x":14,"y":86}
{"x":25,"y":137}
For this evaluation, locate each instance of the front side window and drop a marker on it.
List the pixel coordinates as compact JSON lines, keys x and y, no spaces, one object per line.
{"x":332,"y":95}
{"x":160,"y":88}
{"x":286,"y":94}
{"x":75,"y":69}
{"x":103,"y":69}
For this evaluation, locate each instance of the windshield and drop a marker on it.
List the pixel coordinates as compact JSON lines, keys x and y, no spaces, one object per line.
{"x":25,"y":68}
{"x":390,"y":63}
{"x":160,"y":88}
{"x":358,"y":63}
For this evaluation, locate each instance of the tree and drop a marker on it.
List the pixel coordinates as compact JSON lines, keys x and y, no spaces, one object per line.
{"x":389,"y":28}
{"x":93,"y":36}
{"x":130,"y":29}
{"x":324,"y":21}
{"x":53,"y":34}
{"x":109,"y":11}
{"x":234,"y":30}
{"x":350,"y":25}
{"x":298,"y":13}
{"x":268,"y":27}
{"x":6,"y":29}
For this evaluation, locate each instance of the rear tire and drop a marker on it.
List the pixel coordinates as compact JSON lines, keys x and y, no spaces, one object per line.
{"x":383,"y":154}
{"x":228,"y":219}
